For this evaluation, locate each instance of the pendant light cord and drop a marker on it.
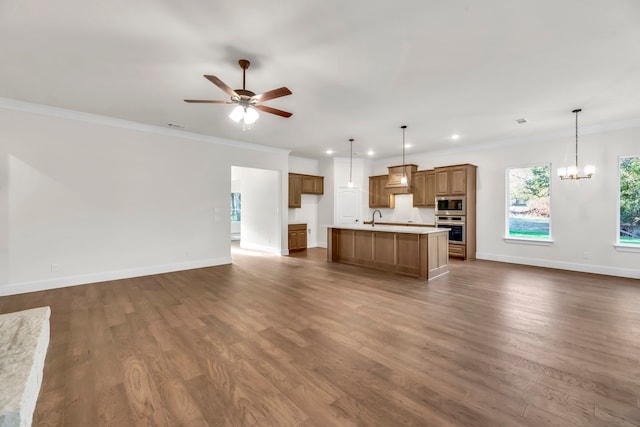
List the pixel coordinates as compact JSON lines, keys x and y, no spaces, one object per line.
{"x":404,"y":127}
{"x":350,"y":159}
{"x":577,"y":111}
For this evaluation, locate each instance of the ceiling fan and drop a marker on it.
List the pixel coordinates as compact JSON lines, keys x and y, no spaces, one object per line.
{"x":246,"y":99}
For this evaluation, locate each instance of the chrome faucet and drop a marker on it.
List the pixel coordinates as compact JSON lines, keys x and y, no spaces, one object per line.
{"x":373,"y":217}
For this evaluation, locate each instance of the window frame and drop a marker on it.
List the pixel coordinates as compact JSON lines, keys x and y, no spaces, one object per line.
{"x":238,"y":210}
{"x":622,"y":246}
{"x":540,"y":241}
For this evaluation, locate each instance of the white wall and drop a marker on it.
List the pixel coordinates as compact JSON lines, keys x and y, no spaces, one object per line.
{"x":584,"y":213}
{"x":99,"y":198}
{"x":261,"y":202}
{"x":327,"y":202}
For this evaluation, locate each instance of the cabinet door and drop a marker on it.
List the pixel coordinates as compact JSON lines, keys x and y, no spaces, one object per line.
{"x":318,"y":185}
{"x":420,"y":189}
{"x":458,"y":181}
{"x":293,"y":240}
{"x":307,"y":184}
{"x":442,"y":182}
{"x":301,"y":240}
{"x":378,"y":198}
{"x":295,"y":190}
{"x":430,"y":194}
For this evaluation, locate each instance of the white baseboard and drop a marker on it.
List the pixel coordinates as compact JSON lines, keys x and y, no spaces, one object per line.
{"x":62,"y":282}
{"x":262,"y":248}
{"x":563,"y":265}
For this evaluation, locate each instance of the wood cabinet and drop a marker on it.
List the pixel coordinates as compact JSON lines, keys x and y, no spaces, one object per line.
{"x":452,"y":180}
{"x":424,"y":189}
{"x":312,"y":184}
{"x":295,"y":190}
{"x":300,"y":184}
{"x":423,"y":254}
{"x":378,"y":197}
{"x":297,"y":237}
{"x":394,"y":183}
{"x":460,"y":180}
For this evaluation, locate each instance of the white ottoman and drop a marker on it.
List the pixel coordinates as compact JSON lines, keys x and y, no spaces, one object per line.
{"x":24,"y":338}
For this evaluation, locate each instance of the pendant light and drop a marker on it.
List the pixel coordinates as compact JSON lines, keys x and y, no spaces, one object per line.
{"x":571,"y":172}
{"x":350,"y":184}
{"x":403,"y":180}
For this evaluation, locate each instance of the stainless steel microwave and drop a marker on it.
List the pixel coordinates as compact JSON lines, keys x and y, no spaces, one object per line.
{"x":451,"y":205}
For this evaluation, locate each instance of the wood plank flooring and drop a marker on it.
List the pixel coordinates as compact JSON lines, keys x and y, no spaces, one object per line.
{"x":298,"y":341}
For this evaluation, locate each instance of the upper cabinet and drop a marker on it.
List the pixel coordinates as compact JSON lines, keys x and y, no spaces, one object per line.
{"x":300,"y":184}
{"x":312,"y":184}
{"x":455,"y":180}
{"x":295,"y":190}
{"x":424,"y":189}
{"x":378,"y":197}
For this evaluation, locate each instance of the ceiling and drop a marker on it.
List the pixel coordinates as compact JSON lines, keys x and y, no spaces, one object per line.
{"x":357,"y":69}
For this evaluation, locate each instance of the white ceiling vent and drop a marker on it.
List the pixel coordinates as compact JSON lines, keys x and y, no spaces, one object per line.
{"x":521,"y":121}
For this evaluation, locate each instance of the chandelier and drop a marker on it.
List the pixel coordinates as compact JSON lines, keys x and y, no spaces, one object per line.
{"x":571,"y":172}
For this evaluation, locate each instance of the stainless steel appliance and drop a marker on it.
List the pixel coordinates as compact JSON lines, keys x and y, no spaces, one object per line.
{"x":456,"y":227}
{"x":451,"y":205}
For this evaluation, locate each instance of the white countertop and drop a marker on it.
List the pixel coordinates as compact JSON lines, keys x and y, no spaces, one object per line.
{"x":391,"y":228}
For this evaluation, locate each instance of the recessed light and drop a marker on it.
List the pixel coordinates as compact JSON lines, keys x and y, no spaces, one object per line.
{"x":329,"y":151}
{"x":407,"y":145}
{"x":370,"y":153}
{"x":521,"y":121}
{"x":455,"y":136}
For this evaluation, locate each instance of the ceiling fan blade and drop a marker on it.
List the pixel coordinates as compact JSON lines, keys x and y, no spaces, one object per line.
{"x":273,"y":110}
{"x":271,"y":94}
{"x":208,"y":101}
{"x":222,"y":85}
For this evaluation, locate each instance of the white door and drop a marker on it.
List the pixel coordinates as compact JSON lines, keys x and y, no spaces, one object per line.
{"x":348,"y":205}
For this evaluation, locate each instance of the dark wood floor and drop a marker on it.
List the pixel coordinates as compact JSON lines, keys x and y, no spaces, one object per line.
{"x":297,"y":341}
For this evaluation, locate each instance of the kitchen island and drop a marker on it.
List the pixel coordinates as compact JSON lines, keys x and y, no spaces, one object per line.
{"x":421,"y":252}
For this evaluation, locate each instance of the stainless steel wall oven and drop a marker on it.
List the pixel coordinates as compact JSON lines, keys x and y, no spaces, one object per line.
{"x":456,"y":226}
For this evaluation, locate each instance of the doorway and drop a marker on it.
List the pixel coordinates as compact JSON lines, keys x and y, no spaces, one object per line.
{"x":259,"y":197}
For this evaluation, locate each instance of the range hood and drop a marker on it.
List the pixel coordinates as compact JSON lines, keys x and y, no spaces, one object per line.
{"x":394,"y":186}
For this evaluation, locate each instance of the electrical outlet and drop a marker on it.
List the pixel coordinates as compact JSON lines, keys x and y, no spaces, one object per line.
{"x":55,"y":268}
{"x":585,"y":255}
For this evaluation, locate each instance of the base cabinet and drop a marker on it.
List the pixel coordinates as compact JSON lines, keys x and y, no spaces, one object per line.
{"x":297,"y":237}
{"x":424,"y":255}
{"x":457,"y":251}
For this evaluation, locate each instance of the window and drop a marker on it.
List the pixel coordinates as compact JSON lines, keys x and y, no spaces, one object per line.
{"x":629,"y":220}
{"x":235,"y":207}
{"x":528,"y":203}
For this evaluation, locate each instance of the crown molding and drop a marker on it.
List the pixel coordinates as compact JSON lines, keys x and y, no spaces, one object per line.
{"x":46,"y":110}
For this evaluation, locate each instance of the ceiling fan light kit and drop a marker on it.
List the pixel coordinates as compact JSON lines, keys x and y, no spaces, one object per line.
{"x":248,"y":103}
{"x":571,"y":172}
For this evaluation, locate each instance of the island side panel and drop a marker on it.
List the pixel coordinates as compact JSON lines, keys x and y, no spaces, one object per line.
{"x":410,"y":254}
{"x":438,"y":254}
